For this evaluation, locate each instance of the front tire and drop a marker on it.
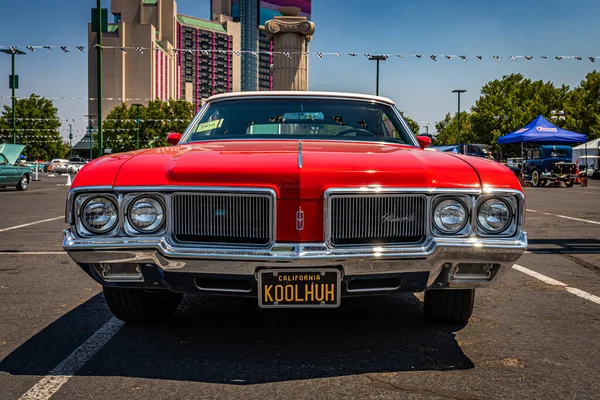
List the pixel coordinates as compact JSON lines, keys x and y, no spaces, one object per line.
{"x":141,"y":305}
{"x":23,"y":183}
{"x":535,"y":178}
{"x":449,"y":306}
{"x":569,"y":183}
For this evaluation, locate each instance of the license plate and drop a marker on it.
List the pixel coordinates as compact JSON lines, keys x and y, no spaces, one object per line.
{"x":299,"y":288}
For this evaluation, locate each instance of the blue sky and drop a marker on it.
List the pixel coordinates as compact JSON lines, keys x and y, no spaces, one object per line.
{"x":420,"y":87}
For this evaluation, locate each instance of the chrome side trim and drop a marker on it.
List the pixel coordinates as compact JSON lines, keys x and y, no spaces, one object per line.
{"x":378,"y":289}
{"x":299,"y":153}
{"x":222,"y":290}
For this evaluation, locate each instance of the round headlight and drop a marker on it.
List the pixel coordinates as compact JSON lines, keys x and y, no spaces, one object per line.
{"x":146,"y":214}
{"x":450,"y":216}
{"x":99,"y":215}
{"x":494,"y":216}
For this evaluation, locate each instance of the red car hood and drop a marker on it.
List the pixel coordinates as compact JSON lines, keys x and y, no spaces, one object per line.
{"x":276,"y":164}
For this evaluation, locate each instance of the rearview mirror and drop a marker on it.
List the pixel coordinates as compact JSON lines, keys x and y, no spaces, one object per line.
{"x":424,"y":141}
{"x":173,"y":138}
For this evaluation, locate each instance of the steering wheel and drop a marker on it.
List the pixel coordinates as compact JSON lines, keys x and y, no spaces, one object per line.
{"x":351,"y":130}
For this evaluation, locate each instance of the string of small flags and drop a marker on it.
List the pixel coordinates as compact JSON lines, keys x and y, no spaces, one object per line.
{"x":240,"y":53}
{"x":80,"y":98}
{"x":95,"y":119}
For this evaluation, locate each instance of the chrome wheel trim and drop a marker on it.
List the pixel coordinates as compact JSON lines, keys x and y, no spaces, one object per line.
{"x":24,"y":182}
{"x":535,"y":178}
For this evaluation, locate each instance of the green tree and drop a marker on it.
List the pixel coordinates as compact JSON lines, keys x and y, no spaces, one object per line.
{"x":582,"y":107}
{"x":157,"y":119}
{"x":414,"y":126}
{"x":448,"y":130}
{"x":510,"y":103}
{"x":37,"y":128}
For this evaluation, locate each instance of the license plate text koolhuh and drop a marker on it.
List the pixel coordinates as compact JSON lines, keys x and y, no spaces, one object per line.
{"x":312,"y":292}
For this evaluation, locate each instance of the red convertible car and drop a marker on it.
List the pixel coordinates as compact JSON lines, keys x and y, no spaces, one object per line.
{"x":297,"y":199}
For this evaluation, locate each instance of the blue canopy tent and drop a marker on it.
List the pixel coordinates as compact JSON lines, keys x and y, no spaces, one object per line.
{"x":541,"y":131}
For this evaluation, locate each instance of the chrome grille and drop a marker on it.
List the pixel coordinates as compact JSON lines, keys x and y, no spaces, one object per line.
{"x":377,"y":219}
{"x":236,"y":218}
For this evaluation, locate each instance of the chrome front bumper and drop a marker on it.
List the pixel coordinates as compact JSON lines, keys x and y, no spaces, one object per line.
{"x":437,"y":256}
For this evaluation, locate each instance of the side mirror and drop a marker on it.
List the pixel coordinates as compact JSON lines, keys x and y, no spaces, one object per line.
{"x":424,"y":141}
{"x":173,"y":138}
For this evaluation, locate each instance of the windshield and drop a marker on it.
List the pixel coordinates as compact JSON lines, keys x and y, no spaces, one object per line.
{"x":559,"y":154}
{"x":301,"y":118}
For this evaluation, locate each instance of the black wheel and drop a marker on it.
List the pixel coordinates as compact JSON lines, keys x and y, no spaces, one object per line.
{"x":569,"y":183}
{"x":141,"y":305}
{"x":23,"y":183}
{"x":449,"y":306}
{"x":535,"y":178}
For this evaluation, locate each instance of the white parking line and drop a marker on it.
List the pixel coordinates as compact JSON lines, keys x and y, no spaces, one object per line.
{"x":32,"y":253}
{"x":554,"y":282}
{"x":565,"y":217}
{"x":29,"y":224}
{"x":28,"y":191}
{"x":51,"y":383}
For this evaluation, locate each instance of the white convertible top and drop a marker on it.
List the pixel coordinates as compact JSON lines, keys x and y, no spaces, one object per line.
{"x":295,"y":93}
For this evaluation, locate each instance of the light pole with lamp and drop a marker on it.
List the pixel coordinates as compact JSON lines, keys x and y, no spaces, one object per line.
{"x":90,"y":129}
{"x":70,"y":142}
{"x":426,"y":126}
{"x":381,"y":57}
{"x":13,"y":84}
{"x":459,"y":91}
{"x":137,"y":113}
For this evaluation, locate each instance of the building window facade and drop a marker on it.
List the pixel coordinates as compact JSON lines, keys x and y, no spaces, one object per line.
{"x":205,"y":63}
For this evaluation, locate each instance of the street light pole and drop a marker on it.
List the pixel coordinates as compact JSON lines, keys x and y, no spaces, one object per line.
{"x":90,"y":129}
{"x":377,"y":58}
{"x":14,"y":98}
{"x":426,"y":128}
{"x":70,"y":141}
{"x":99,"y":67}
{"x":137,"y":111}
{"x":13,"y":51}
{"x":459,"y":91}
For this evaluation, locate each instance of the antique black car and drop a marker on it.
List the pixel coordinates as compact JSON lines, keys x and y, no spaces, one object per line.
{"x":544,"y":164}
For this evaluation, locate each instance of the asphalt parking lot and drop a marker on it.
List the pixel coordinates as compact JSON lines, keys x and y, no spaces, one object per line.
{"x":534,"y":335}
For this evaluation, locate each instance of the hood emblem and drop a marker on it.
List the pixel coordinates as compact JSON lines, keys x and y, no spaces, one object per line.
{"x":299,"y":220}
{"x":391,"y":218}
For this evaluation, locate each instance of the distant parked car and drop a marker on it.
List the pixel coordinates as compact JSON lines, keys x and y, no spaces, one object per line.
{"x":60,"y":163}
{"x":11,"y":174}
{"x":74,"y":167}
{"x":589,"y":166}
{"x":477,"y":150}
{"x":547,"y":163}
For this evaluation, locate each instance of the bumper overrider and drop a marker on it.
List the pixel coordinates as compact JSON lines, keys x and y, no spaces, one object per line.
{"x":157,"y":262}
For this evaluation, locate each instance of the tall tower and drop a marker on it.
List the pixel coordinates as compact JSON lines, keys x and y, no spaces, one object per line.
{"x":252,"y":15}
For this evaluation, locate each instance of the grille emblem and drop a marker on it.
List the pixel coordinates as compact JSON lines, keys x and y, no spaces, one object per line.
{"x":391,"y":217}
{"x":299,"y":220}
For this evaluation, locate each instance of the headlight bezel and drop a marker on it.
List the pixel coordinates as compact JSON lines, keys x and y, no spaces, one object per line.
{"x":514,"y":207}
{"x":130,"y":200}
{"x":82,"y":203}
{"x":466,"y":202}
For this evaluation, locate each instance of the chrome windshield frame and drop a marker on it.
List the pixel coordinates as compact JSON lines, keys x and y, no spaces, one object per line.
{"x":411,"y":136}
